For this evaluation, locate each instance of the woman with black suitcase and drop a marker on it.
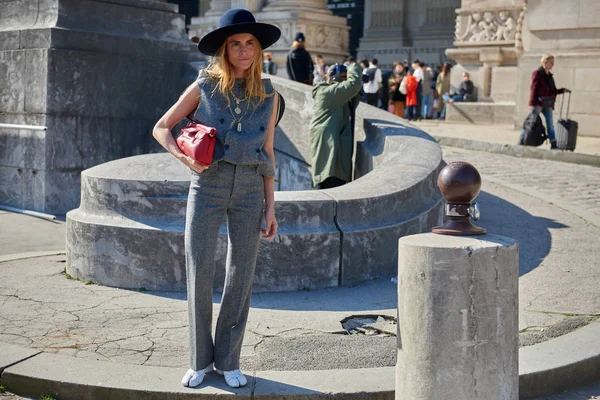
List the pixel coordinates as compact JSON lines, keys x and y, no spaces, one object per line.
{"x":542,"y":96}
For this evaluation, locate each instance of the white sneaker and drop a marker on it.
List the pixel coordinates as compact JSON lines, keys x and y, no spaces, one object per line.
{"x":194,"y":378}
{"x":234,"y":378}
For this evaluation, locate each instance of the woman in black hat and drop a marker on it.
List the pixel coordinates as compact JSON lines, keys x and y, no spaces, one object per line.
{"x":239,"y":185}
{"x":299,"y":64}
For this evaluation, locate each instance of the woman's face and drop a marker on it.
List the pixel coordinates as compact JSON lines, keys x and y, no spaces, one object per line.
{"x":548,"y":64}
{"x":241,"y":50}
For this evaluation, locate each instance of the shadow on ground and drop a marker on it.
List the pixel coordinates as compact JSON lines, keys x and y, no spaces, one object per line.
{"x":501,"y":217}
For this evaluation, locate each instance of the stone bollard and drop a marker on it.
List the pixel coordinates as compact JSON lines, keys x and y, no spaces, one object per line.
{"x":458,"y":318}
{"x":458,"y":305}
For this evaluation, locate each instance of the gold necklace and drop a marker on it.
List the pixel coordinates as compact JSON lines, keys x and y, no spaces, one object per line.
{"x":237,"y":109}
{"x":236,"y":120}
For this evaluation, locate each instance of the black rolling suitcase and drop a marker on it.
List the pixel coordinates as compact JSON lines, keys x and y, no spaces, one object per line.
{"x":566,"y":129}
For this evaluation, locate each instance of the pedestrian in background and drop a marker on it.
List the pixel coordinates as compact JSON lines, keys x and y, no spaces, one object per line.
{"x":427,"y":92}
{"x":466,"y":91}
{"x":442,"y":87}
{"x":299,"y":63}
{"x":396,"y":98}
{"x":418,"y":74}
{"x":411,"y":96}
{"x":320,"y":70}
{"x":269,"y":67}
{"x":542,"y":96}
{"x":331,"y":138}
{"x":374,"y":83}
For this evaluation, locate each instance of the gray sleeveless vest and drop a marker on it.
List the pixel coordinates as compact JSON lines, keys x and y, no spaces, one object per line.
{"x":244,"y":147}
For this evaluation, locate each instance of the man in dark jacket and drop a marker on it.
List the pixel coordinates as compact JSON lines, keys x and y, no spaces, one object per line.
{"x":299,"y":63}
{"x":466,"y":90}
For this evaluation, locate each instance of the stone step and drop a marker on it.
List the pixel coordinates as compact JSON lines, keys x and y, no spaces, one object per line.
{"x":481,"y":113}
{"x":549,"y":367}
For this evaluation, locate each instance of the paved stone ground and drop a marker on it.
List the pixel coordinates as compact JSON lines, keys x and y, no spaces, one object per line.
{"x":41,"y":308}
{"x":497,"y":133}
{"x":573,"y":187}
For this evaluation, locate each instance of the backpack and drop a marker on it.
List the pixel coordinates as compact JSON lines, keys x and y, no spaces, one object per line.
{"x":535,"y":133}
{"x":371,"y":73}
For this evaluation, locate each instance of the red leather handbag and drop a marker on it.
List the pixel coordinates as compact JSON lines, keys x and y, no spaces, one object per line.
{"x":198,"y":141}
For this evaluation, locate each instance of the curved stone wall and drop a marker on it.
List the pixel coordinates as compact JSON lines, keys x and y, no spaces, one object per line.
{"x":128,"y":231}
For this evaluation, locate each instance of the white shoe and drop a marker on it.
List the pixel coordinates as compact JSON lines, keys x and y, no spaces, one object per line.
{"x":234,"y":378}
{"x":194,"y":378}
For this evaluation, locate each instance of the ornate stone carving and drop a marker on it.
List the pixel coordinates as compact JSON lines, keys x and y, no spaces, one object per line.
{"x":287,"y":34}
{"x":489,"y":27}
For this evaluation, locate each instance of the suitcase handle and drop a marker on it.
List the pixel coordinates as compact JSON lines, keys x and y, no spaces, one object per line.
{"x":562,"y":103}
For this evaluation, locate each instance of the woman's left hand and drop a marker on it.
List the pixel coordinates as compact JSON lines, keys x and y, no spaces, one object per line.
{"x":271,"y":224}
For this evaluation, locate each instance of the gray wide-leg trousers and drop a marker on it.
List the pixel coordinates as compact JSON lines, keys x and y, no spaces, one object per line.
{"x":235,"y":191}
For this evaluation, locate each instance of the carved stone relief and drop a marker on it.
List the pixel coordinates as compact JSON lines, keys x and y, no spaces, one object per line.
{"x":489,"y":26}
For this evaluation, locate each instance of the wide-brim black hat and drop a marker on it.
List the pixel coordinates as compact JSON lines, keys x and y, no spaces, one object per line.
{"x":238,"y":20}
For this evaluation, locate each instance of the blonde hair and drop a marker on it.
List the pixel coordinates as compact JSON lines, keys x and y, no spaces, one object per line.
{"x":221,"y":69}
{"x":546,"y":57}
{"x":297,"y":44}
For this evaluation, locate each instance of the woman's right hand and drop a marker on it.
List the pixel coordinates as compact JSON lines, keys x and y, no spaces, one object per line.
{"x":193,"y":164}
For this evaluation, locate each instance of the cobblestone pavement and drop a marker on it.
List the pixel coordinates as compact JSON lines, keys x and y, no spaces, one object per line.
{"x":575,"y":188}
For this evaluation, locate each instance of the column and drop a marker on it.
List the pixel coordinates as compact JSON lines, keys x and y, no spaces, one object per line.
{"x":296,"y":4}
{"x":385,"y":19}
{"x":203,"y":7}
{"x":218,"y":7}
{"x":457,"y":317}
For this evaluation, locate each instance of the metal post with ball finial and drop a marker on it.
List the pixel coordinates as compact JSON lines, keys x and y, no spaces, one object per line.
{"x":459,"y":182}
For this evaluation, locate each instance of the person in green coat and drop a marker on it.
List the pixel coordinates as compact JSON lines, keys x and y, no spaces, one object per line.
{"x":331,"y":132}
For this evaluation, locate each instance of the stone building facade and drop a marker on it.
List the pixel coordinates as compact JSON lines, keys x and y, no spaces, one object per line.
{"x":97,"y":75}
{"x":325,"y":33}
{"x":488,"y":43}
{"x":501,"y":42}
{"x":408,"y":30}
{"x":570,"y":30}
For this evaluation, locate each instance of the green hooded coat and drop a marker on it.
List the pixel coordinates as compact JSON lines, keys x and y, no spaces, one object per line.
{"x":331,"y":136}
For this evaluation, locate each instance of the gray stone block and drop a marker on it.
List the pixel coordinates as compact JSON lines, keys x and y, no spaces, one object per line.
{"x":292,"y":173}
{"x":22,"y":148}
{"x":139,"y":202}
{"x":46,"y":374}
{"x":12,"y":69}
{"x":96,"y":70}
{"x":10,"y":190}
{"x":34,"y":80}
{"x":21,"y":14}
{"x":357,"y":384}
{"x":9,"y":40}
{"x":60,"y":190}
{"x":63,"y":144}
{"x":35,"y":38}
{"x":125,"y":18}
{"x":22,"y":188}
